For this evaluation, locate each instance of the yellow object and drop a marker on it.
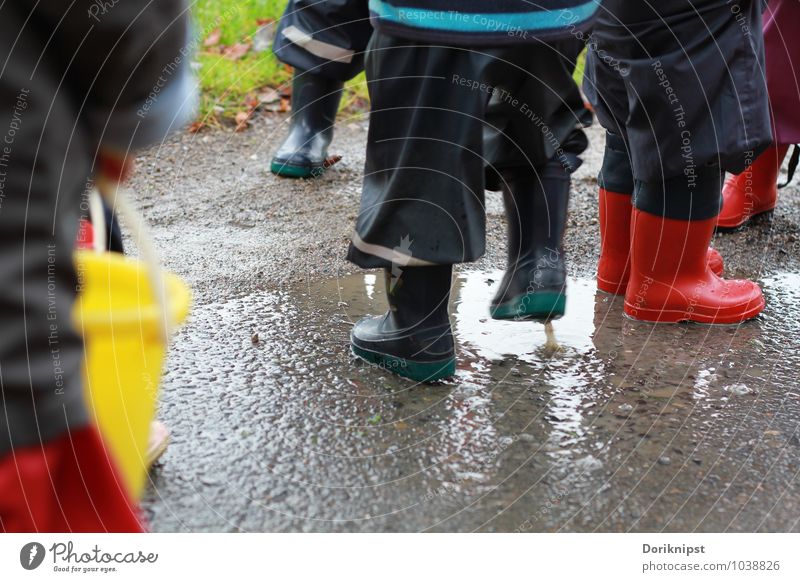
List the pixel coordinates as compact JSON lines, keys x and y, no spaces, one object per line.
{"x":123,"y":328}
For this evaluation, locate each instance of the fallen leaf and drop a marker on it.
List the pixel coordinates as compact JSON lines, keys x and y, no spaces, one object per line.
{"x":286,"y":105}
{"x":242,"y":120}
{"x":330,"y":160}
{"x":269,"y":96}
{"x":213,"y":38}
{"x":196,"y":126}
{"x":251,"y":101}
{"x":236,"y":51}
{"x":263,"y":21}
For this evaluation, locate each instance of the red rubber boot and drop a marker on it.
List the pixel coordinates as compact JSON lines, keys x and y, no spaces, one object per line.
{"x":752,"y":192}
{"x":670,"y":278}
{"x":613,"y":269}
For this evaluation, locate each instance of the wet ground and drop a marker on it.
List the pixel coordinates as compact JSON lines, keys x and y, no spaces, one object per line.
{"x":623,"y":426}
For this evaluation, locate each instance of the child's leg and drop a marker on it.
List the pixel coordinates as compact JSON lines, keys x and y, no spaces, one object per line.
{"x":412,"y":339}
{"x":670,"y":279}
{"x":325,"y":43}
{"x":422,"y":200}
{"x":615,"y":209}
{"x":534,"y":285}
{"x":754,"y":191}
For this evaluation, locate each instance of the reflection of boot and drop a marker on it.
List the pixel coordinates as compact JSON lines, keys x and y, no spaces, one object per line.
{"x":315,"y":102}
{"x":671,"y":281}
{"x":414,"y":338}
{"x":754,"y":191}
{"x":534,"y":285}
{"x":613,"y":268}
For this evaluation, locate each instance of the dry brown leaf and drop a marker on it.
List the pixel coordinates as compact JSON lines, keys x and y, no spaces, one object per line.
{"x":331,"y":160}
{"x":236,"y":51}
{"x":269,"y":96}
{"x":242,"y":120}
{"x":251,"y":101}
{"x":196,"y":126}
{"x":213,"y":38}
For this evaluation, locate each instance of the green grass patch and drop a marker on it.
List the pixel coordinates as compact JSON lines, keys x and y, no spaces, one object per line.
{"x":227,"y":83}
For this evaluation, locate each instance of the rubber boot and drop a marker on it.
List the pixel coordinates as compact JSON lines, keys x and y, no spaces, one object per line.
{"x":315,"y":102}
{"x":613,"y":268}
{"x":535,"y":281}
{"x":752,"y":192}
{"x":670,"y":280}
{"x":414,"y":338}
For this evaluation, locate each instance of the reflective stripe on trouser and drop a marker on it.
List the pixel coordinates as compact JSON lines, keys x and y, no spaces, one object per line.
{"x":327,"y":38}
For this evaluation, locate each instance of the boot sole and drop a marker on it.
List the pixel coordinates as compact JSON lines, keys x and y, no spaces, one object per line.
{"x":287,"y":170}
{"x":679,"y":315}
{"x":417,"y":371}
{"x":531,"y":306}
{"x":745,"y":222}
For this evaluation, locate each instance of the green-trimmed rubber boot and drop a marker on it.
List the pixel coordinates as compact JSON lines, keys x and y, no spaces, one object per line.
{"x":535,"y":283}
{"x":315,"y":102}
{"x":413,"y":339}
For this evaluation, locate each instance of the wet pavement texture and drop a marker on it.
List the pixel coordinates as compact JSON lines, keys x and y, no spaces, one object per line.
{"x":623,"y":426}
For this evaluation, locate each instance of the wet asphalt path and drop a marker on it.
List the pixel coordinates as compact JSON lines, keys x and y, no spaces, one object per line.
{"x":626,"y":426}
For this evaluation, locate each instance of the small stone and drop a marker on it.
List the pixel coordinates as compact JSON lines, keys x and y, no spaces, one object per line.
{"x":738,"y":389}
{"x":254,"y":338}
{"x":664,"y":461}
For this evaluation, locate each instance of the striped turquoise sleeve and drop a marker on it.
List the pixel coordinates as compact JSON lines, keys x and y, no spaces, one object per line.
{"x":534,"y":20}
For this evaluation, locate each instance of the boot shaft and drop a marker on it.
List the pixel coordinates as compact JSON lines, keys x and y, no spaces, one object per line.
{"x":661,"y":248}
{"x":536,"y":205}
{"x":419,"y":297}
{"x":315,"y":100}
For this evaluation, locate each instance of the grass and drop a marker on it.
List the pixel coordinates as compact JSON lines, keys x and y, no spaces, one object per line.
{"x":226,"y":84}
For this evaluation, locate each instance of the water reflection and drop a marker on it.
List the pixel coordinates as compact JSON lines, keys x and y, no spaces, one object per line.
{"x":629,"y":424}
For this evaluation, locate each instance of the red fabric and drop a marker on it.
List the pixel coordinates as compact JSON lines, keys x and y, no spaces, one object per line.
{"x":65,"y":485}
{"x":85,"y":240}
{"x":114,"y":168}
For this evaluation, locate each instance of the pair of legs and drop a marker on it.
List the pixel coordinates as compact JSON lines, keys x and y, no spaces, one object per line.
{"x":506,"y":118}
{"x":654,"y":246}
{"x":325,"y":43}
{"x":663,"y":79}
{"x":414,"y":338}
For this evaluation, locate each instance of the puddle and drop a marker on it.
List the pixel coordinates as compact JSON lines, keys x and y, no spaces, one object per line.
{"x":628,"y":426}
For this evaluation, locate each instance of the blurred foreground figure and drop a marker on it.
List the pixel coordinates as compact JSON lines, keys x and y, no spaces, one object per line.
{"x":755,"y":190}
{"x":82,"y":85}
{"x":491,"y":103}
{"x":325,"y":43}
{"x":680,"y":90}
